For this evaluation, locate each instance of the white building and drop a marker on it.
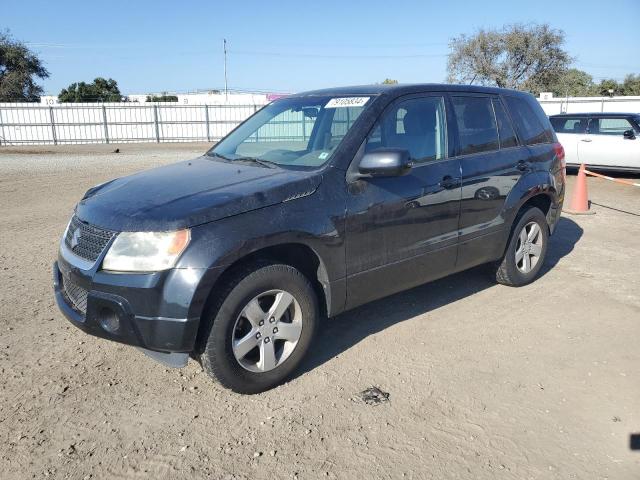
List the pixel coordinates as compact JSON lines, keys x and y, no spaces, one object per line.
{"x":554,"y":105}
{"x":210,"y":97}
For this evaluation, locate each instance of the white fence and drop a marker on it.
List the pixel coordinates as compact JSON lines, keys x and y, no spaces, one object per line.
{"x":590,"y":104}
{"x":33,"y":124}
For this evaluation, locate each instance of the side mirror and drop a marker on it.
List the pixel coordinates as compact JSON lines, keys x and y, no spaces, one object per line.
{"x":629,"y":134}
{"x":385,"y":162}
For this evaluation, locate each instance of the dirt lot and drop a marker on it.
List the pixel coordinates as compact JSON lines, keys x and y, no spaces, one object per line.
{"x":485,"y":381}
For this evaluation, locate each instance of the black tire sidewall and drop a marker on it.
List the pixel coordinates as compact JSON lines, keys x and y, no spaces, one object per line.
{"x":519,"y":278}
{"x":218,"y":349}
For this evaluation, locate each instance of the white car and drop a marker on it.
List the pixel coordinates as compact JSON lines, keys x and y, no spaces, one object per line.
{"x":609,"y":141}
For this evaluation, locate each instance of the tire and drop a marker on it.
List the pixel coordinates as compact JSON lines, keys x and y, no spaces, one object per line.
{"x":240,"y":318}
{"x":512,"y":269}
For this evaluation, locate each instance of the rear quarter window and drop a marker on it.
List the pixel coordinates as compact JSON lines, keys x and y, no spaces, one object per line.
{"x":531,"y":122}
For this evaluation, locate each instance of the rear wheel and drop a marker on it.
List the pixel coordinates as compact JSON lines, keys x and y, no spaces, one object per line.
{"x":526,"y":250}
{"x":262,"y":328}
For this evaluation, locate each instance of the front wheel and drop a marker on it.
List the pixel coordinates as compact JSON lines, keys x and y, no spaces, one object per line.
{"x":526,"y":250}
{"x":262,"y":328}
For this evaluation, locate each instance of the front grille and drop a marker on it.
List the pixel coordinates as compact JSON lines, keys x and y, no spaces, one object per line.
{"x":86,"y":241}
{"x":76,"y":294}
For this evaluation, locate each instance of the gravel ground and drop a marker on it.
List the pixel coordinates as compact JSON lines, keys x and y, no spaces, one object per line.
{"x":484,"y":381}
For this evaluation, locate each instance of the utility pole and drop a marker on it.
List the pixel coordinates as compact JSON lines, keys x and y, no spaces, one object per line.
{"x":226,"y":89}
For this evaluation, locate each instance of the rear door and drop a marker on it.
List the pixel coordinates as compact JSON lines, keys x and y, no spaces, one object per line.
{"x":570,"y":131}
{"x":604,"y":144}
{"x":492,"y":162}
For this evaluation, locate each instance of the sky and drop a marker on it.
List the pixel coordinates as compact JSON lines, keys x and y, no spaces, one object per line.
{"x":290,"y":46}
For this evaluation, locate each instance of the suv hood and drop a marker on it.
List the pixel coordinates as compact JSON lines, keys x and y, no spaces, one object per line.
{"x":190,"y":193}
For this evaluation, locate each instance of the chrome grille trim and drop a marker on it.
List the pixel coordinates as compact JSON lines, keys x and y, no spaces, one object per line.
{"x":86,"y":241}
{"x":74,"y":260}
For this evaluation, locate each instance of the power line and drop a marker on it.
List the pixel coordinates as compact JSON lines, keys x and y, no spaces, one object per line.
{"x":318,"y":55}
{"x":270,"y":44}
{"x":591,"y":65}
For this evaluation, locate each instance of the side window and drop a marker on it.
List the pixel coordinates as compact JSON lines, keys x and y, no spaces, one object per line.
{"x":609,"y":126}
{"x":505,"y":129}
{"x":569,"y":125}
{"x":416,"y":125}
{"x":529,"y":122}
{"x":476,"y":124}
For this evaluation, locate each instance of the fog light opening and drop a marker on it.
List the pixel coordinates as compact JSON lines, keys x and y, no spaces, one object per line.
{"x":109,"y":321}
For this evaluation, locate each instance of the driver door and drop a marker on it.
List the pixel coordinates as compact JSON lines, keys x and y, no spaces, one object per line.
{"x":401,"y":231}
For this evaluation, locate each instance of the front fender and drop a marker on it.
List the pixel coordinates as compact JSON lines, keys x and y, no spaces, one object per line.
{"x":305,"y":221}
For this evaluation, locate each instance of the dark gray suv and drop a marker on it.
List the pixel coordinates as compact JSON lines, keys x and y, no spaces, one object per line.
{"x":318,"y":203}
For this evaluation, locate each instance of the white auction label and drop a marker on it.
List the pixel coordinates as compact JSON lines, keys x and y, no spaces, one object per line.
{"x":342,"y":102}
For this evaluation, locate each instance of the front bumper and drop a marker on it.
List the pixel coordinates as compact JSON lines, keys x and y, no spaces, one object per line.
{"x":138,"y":302}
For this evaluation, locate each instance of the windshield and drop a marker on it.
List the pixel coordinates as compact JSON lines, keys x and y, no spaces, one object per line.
{"x":293,"y":132}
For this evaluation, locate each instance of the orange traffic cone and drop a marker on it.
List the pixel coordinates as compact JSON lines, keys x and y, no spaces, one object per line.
{"x":580,"y":200}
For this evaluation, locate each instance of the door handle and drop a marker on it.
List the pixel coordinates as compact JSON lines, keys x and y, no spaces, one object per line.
{"x":448,"y":182}
{"x":522,"y":165}
{"x":585,"y":140}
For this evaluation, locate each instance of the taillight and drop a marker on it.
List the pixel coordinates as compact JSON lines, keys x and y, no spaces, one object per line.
{"x":559,"y":151}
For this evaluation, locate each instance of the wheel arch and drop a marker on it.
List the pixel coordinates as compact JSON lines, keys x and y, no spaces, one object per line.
{"x":536,"y":190}
{"x":298,"y":255}
{"x":533,"y":190}
{"x":542,"y":201}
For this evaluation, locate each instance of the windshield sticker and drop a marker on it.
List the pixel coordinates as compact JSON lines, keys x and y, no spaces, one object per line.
{"x":343,"y":102}
{"x":323,"y":155}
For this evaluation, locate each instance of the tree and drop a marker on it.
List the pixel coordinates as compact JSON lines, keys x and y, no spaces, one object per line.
{"x":525,"y":57}
{"x":162,"y":98}
{"x":100,"y":90}
{"x":631,"y":85}
{"x":390,"y":81}
{"x":609,"y":88}
{"x":573,"y":83}
{"x":19,"y":68}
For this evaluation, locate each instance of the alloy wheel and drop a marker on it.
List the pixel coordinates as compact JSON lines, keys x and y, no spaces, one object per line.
{"x":267,"y":331}
{"x":529,"y":247}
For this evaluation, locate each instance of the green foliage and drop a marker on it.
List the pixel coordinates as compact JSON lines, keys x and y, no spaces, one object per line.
{"x":631,"y":85}
{"x":19,"y":67}
{"x":576,"y":83}
{"x":162,"y":98}
{"x":573,"y":83}
{"x":525,"y":57}
{"x":389,"y":81}
{"x":100,"y":90}
{"x":606,"y":85}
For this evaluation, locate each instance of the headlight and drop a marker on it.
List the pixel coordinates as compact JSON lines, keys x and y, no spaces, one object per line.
{"x":145,"y":251}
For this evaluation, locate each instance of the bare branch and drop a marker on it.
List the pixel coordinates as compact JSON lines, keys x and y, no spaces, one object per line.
{"x":518,"y":56}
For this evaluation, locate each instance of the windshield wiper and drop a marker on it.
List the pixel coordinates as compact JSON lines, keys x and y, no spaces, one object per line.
{"x":259,"y":161}
{"x":214,"y":154}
